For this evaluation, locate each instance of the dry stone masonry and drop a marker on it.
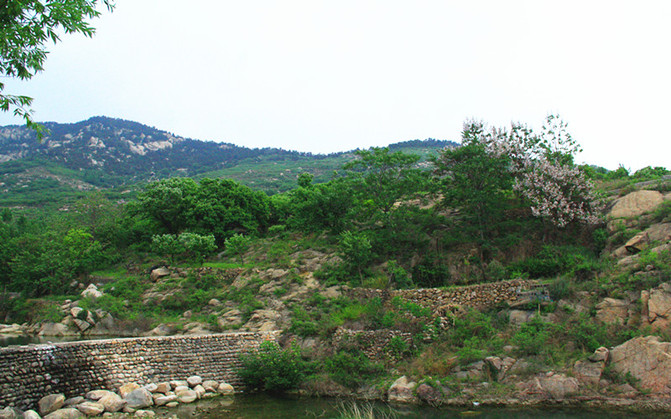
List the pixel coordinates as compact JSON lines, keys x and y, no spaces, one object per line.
{"x":75,"y":368}
{"x":480,"y":296}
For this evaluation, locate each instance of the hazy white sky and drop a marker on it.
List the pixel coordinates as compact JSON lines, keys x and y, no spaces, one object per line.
{"x":326,"y":76}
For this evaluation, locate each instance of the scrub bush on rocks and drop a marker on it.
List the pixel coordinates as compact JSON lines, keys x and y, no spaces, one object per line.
{"x":273,"y":369}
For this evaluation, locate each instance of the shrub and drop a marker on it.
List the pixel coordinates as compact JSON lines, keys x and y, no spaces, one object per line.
{"x":398,"y":276}
{"x":471,"y":351}
{"x":273,"y":369}
{"x":351,"y":368}
{"x":397,"y":347}
{"x":431,"y":272}
{"x":532,"y":337}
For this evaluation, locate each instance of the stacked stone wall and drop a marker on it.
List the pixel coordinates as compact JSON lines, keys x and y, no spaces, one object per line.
{"x":479,"y":296}
{"x":372,"y":343}
{"x":28,"y":373}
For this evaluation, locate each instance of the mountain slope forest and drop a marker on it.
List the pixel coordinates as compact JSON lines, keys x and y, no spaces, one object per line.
{"x":114,"y":155}
{"x":326,"y":257}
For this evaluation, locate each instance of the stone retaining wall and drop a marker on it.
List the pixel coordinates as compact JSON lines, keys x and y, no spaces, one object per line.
{"x":372,"y":343}
{"x":479,"y":296}
{"x":28,"y":373}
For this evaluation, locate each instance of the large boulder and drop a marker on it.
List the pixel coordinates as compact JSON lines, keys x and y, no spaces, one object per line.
{"x":112,"y":402}
{"x":646,"y":359}
{"x":91,"y":408}
{"x":589,"y":371}
{"x":91,"y":292}
{"x":158,"y":273}
{"x":225,"y":388}
{"x":11,"y":413}
{"x":51,"y":403}
{"x":127,"y":388}
{"x":555,"y":386}
{"x":429,"y":395}
{"x":637,"y":243}
{"x":55,"y":329}
{"x":635,"y":204}
{"x":137,"y":399}
{"x":186,"y":396}
{"x":401,"y":391}
{"x":96,"y":395}
{"x":68,"y":413}
{"x":612,"y":310}
{"x":194,"y":380}
{"x":658,"y":305}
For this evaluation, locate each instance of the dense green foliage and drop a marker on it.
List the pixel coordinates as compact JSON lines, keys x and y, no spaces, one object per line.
{"x":273,"y":369}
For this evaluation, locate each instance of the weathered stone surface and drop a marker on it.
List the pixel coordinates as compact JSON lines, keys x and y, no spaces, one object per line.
{"x":145,"y":414}
{"x":194,"y":380}
{"x":31,"y":414}
{"x":187,"y":396}
{"x":588,"y":372}
{"x":139,"y":398}
{"x":210,"y":385}
{"x":125,"y":389}
{"x":69,"y":413}
{"x":181,"y":388}
{"x":637,"y":243}
{"x":96,"y":395}
{"x":91,"y":292}
{"x":178,"y":383}
{"x":401,"y":391}
{"x":112,"y":402}
{"x":72,"y":401}
{"x":158,"y":273}
{"x":555,"y":386}
{"x":612,"y":310}
{"x":10,"y":413}
{"x":151,"y":387}
{"x":647,"y":359}
{"x":659,"y":306}
{"x":429,"y":395}
{"x":162,"y":330}
{"x":601,"y":354}
{"x":82,"y":325}
{"x":200,"y":390}
{"x":519,"y":316}
{"x":55,"y":329}
{"x":50,"y":403}
{"x":91,"y":408}
{"x":225,"y":388}
{"x":635,"y":204}
{"x":160,"y":400}
{"x":499,"y":366}
{"x":659,"y":233}
{"x":163,"y":388}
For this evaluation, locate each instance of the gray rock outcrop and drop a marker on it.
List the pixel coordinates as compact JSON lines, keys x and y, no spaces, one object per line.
{"x":646,"y":359}
{"x":401,"y":391}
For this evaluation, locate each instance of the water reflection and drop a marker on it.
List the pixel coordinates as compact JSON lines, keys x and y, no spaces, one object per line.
{"x":260,"y":406}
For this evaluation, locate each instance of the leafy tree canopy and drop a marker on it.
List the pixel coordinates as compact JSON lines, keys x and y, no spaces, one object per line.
{"x":25,"y":27}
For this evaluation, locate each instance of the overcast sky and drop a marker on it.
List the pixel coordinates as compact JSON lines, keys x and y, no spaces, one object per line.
{"x":325,"y":76}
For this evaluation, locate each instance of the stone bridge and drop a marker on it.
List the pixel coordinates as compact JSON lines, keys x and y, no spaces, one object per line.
{"x":28,"y":373}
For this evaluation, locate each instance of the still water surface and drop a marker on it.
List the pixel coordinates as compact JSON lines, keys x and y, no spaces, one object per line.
{"x":265,"y":406}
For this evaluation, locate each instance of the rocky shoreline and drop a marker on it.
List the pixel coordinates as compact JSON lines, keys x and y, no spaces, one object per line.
{"x":130,"y":399}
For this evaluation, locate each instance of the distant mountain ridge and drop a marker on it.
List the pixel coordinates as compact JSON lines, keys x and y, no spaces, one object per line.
{"x":106,"y":152}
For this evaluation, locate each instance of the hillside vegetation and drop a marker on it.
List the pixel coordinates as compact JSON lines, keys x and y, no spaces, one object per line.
{"x":327,"y":262}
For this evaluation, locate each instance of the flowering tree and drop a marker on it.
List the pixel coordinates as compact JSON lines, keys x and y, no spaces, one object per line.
{"x":543,"y":169}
